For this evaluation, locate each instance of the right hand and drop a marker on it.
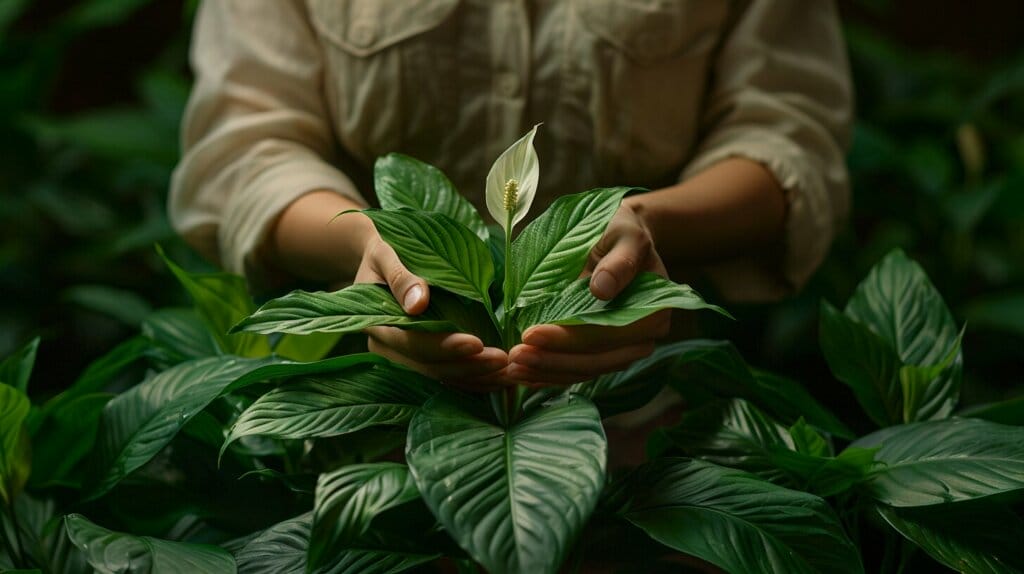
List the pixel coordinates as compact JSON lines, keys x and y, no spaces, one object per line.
{"x":457,"y":359}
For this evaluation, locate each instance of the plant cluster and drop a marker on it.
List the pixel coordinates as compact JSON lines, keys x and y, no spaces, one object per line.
{"x":273,"y":458}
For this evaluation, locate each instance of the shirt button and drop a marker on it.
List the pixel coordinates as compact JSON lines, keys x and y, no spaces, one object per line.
{"x":363,"y":34}
{"x":508,"y":85}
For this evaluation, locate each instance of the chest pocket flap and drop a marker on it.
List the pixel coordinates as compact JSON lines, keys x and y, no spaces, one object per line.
{"x":363,"y":27}
{"x":648,"y":30}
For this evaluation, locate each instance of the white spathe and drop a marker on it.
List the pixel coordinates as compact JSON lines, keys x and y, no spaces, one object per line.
{"x":519,"y":162}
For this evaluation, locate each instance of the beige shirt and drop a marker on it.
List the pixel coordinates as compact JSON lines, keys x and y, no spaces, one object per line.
{"x":298,"y":95}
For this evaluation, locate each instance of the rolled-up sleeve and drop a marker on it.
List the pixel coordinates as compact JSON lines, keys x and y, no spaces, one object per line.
{"x":256,"y":133}
{"x":781,"y":95}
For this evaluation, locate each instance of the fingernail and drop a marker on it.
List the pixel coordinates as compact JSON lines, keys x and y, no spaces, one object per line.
{"x":413,"y":296}
{"x":603,"y":284}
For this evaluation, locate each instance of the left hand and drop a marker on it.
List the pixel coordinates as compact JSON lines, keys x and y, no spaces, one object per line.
{"x":564,"y":355}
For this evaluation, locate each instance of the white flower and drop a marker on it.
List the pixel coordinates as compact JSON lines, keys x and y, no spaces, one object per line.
{"x":512,"y":182}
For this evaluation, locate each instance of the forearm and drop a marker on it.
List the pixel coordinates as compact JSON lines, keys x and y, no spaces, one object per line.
{"x":734,"y":207}
{"x":308,"y":242}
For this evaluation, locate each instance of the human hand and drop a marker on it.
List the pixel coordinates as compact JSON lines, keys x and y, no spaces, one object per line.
{"x":563,"y":355}
{"x":457,"y":359}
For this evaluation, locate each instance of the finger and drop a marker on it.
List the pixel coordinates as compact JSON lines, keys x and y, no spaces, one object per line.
{"x":409,"y":289}
{"x":487,"y":383}
{"x":549,"y":364}
{"x":616,"y":269}
{"x":426,"y":347}
{"x":590,"y":338}
{"x":487,"y":362}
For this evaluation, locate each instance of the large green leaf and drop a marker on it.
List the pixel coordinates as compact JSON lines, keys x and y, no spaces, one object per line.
{"x":438,"y":249}
{"x":864,"y":362}
{"x":515,"y":499}
{"x":401,"y":181}
{"x":551,"y":251}
{"x":899,"y":303}
{"x":222,"y":299}
{"x":349,"y":498}
{"x":718,"y":368}
{"x":116,"y":553}
{"x":281,"y":549}
{"x":937,"y":462}
{"x":138,"y":423}
{"x":739,"y":522}
{"x":16,"y":369}
{"x":103,"y":370}
{"x":647,"y":294}
{"x":1008,"y":412}
{"x":178,"y":334}
{"x":335,"y":404}
{"x":965,"y":538}
{"x":349,"y":310}
{"x":731,"y":433}
{"x":15,"y":455}
{"x":304,"y":348}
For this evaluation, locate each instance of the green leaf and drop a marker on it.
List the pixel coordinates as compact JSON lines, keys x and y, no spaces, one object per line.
{"x":305,"y":348}
{"x":126,"y":306}
{"x":552,"y":250}
{"x":632,"y":388}
{"x":731,"y":433}
{"x":281,"y":549}
{"x":646,"y":295}
{"x":15,"y":449}
{"x":937,"y":462}
{"x":65,"y":437}
{"x":964,"y":538}
{"x":738,"y":522}
{"x":349,"y":310}
{"x":899,"y":303}
{"x":825,"y":475}
{"x":514,"y":499}
{"x":222,"y":300}
{"x":806,"y":440}
{"x":928,"y":392}
{"x":864,"y":362}
{"x":438,"y":249}
{"x":401,"y":181}
{"x":138,"y":423}
{"x":349,"y":498}
{"x":336,"y":404}
{"x":179,"y":335}
{"x":113,"y":552}
{"x":16,"y":369}
{"x":717,"y":367}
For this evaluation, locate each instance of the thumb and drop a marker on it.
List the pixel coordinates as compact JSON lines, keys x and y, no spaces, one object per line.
{"x":410,"y":290}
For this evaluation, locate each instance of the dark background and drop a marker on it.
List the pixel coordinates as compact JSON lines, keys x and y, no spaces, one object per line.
{"x":91,"y":94}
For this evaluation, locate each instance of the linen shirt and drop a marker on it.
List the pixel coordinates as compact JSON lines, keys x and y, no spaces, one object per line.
{"x":293,"y":96}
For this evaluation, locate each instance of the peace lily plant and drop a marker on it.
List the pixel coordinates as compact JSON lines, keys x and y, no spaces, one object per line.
{"x":251,"y":452}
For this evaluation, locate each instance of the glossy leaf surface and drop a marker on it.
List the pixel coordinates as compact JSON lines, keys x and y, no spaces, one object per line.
{"x":938,"y":462}
{"x":16,"y":369}
{"x":335,"y":404}
{"x":116,"y":553}
{"x":552,"y":250}
{"x":438,"y":249}
{"x":349,"y":498}
{"x":514,"y":499}
{"x":401,"y":181}
{"x":739,"y":522}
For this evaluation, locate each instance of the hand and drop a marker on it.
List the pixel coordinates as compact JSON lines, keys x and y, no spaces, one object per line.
{"x":560,"y":355}
{"x":457,"y":359}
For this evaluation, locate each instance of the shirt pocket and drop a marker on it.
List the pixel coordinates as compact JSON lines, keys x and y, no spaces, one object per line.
{"x":385,"y":61}
{"x":643,"y":70}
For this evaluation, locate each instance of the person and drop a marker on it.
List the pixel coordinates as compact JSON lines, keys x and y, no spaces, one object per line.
{"x":734,"y":114}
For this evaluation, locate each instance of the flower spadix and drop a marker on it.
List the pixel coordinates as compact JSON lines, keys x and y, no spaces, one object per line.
{"x":512,"y":182}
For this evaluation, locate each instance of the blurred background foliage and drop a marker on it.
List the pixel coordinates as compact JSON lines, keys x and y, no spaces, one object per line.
{"x":92,"y":91}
